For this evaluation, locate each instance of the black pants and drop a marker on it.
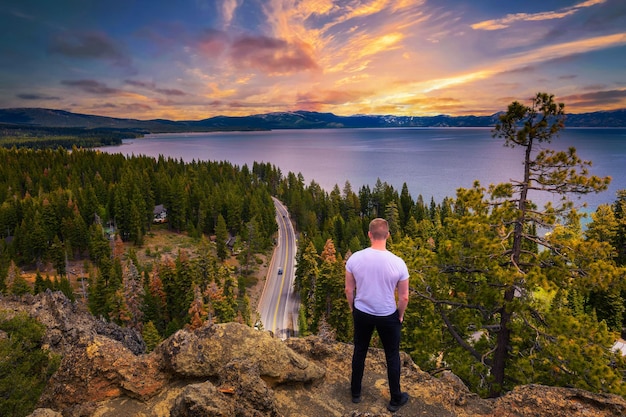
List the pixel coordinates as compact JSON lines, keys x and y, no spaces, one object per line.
{"x":388,"y":328}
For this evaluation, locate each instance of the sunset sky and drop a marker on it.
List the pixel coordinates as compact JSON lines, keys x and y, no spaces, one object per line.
{"x":194,"y":59}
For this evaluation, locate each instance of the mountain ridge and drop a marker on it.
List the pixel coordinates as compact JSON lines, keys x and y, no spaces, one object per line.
{"x":300,"y":119}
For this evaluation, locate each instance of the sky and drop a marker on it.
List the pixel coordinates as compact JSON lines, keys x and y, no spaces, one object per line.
{"x":195,"y":59}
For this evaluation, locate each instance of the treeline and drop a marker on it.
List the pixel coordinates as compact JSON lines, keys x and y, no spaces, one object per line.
{"x":36,"y":137}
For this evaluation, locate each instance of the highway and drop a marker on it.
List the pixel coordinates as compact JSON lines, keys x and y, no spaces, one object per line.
{"x":278,"y":305}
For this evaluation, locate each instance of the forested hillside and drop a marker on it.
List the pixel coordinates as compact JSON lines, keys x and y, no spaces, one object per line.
{"x":37,"y":137}
{"x":59,"y":206}
{"x":493,"y":297}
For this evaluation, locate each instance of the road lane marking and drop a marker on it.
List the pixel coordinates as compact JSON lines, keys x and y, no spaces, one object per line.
{"x":282,"y":282}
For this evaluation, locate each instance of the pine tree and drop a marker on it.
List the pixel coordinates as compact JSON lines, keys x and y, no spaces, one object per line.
{"x":305,"y":282}
{"x":221,"y":238}
{"x":488,"y":282}
{"x":619,"y":242}
{"x":155,"y":303}
{"x":65,"y":287}
{"x":57,"y":255}
{"x":16,"y":283}
{"x":330,"y":302}
{"x":151,"y":336}
{"x":25,"y":366}
{"x":39,"y":283}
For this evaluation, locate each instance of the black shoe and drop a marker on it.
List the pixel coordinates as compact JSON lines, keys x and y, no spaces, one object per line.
{"x":356,"y":399}
{"x":395,"y":406}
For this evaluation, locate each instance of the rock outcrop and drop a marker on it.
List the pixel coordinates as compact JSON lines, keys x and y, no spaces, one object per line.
{"x":232,"y":370}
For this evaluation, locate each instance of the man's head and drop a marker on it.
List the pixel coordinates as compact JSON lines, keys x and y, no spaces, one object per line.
{"x":379,"y":229}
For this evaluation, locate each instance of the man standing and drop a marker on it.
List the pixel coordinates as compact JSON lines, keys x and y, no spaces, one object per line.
{"x":372,"y":277}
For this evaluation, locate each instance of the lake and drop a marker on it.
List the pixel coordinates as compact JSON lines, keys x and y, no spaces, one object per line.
{"x":433,"y":162}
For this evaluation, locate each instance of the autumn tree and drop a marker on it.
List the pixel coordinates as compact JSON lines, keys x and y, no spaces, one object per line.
{"x":155,"y":302}
{"x":133,"y":295}
{"x":197,"y":311}
{"x":330,"y":302}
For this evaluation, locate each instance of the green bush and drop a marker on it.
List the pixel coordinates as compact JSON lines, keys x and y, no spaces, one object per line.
{"x":24,"y":366}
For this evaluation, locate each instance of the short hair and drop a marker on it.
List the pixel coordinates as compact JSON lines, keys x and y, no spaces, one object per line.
{"x":379,"y":228}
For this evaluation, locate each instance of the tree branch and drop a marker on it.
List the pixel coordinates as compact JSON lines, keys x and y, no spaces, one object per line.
{"x":462,"y":342}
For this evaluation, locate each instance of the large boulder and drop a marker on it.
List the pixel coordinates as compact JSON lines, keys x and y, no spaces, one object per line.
{"x":204,"y":353}
{"x":98,"y":368}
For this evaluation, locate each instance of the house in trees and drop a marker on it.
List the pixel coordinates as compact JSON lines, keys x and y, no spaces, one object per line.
{"x":159,"y":214}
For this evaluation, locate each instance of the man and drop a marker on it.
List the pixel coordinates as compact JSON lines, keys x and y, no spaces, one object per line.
{"x":372,"y":277}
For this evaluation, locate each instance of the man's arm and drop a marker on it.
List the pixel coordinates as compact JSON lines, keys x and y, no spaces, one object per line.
{"x":350,"y":287}
{"x":403,"y":297}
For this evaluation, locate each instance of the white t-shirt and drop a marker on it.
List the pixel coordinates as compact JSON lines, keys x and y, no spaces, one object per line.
{"x":377,"y":274}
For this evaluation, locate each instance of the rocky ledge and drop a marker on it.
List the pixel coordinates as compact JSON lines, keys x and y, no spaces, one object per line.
{"x":233,"y":370}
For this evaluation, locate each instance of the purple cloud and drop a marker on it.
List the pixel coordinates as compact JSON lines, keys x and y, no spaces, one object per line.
{"x":599,"y":98}
{"x":92,"y":86}
{"x":140,"y":84}
{"x":28,"y":96}
{"x":92,"y":45}
{"x":170,"y":92}
{"x":152,"y":87}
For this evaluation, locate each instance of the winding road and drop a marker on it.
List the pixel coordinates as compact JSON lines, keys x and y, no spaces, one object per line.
{"x":279,"y":304}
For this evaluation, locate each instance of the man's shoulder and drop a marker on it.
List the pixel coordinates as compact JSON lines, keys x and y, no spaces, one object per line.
{"x":360,"y":252}
{"x":357,"y":254}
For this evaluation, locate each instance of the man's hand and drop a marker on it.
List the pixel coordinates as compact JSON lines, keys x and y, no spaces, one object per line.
{"x":350,"y":287}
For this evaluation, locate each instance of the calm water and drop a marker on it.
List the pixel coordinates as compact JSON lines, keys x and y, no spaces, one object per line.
{"x":433,"y":162}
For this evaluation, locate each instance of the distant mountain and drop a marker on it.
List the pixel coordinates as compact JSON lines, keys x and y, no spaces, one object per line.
{"x":38,"y":117}
{"x":615,"y":118}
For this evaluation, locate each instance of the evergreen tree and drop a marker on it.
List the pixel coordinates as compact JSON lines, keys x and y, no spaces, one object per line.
{"x":39,"y":283}
{"x":99,"y":245}
{"x":392,"y":215}
{"x":619,"y":241}
{"x":25,"y":366}
{"x":16,"y":283}
{"x":221,"y":238}
{"x":65,"y":287}
{"x":57,"y":255}
{"x":155,"y":303}
{"x":330,"y":302}
{"x":151,"y":336}
{"x":307,"y":271}
{"x":488,"y":273}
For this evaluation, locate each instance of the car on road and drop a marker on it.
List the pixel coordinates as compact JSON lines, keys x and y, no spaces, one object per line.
{"x":280,"y":271}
